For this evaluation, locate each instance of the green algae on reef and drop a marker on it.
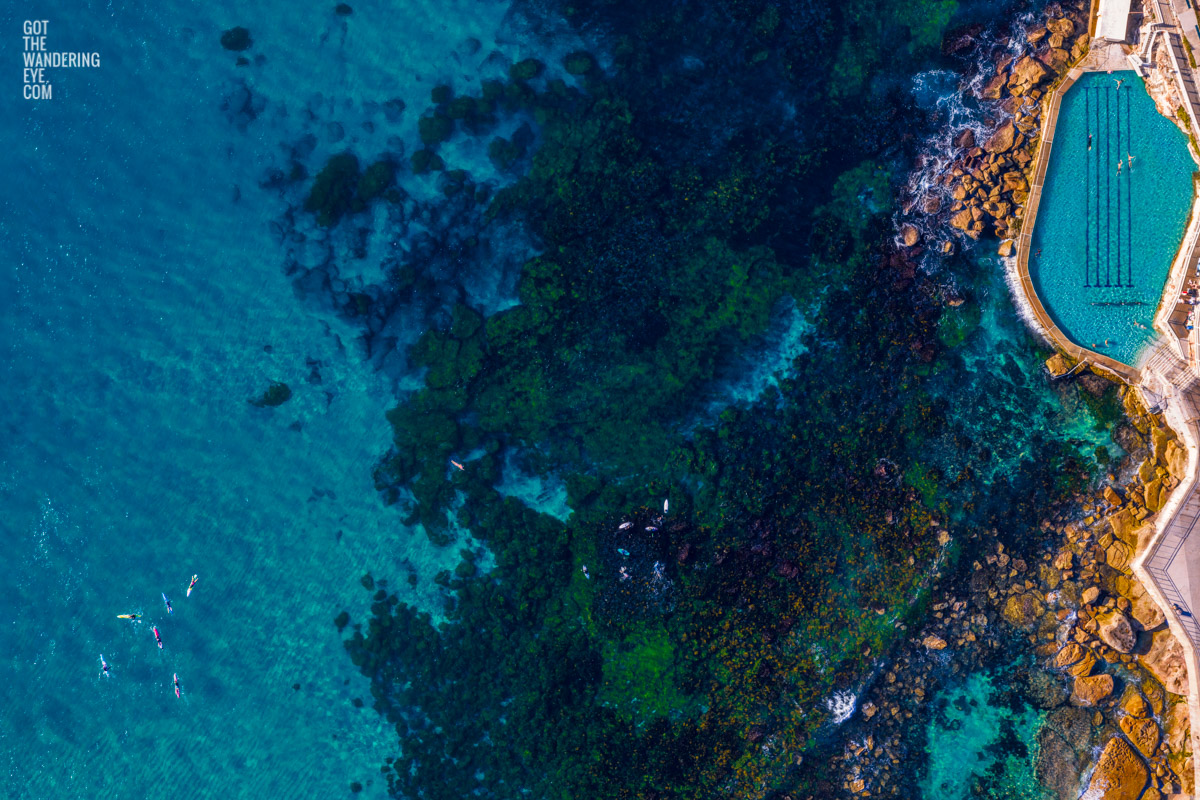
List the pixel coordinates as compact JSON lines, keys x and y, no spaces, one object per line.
{"x":802,"y":527}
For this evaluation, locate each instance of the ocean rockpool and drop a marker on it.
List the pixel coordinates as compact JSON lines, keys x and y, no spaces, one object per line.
{"x":1105,"y":234}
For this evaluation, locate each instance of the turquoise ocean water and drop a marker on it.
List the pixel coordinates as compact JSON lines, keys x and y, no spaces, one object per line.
{"x":144,"y":302}
{"x":1106,"y":237}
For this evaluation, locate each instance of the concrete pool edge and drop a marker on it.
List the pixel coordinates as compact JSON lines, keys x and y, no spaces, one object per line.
{"x":1027,"y":296}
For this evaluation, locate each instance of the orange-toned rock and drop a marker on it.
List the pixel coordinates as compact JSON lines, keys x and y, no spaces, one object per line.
{"x":1063,"y":26}
{"x":1085,"y":665}
{"x":1013,"y":181}
{"x":962,"y":220}
{"x":1116,"y":632}
{"x":993,"y":88}
{"x":1090,"y":691}
{"x":1120,"y":774}
{"x":1134,"y":704}
{"x":1023,"y":610}
{"x":1142,"y":732}
{"x":1178,"y":728}
{"x":1165,"y":662}
{"x":1071,"y":654}
{"x":965,"y":139}
{"x":1002,"y":140}
{"x":1028,"y":71}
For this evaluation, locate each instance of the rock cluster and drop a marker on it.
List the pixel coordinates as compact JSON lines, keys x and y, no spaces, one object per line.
{"x":1113,"y":675}
{"x":1117,"y":622}
{"x":987,"y":183}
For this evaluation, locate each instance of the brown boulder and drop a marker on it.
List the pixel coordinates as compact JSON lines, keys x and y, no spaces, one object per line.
{"x":1117,"y":555}
{"x":1116,"y":632}
{"x":1120,"y":774}
{"x":910,"y":235}
{"x":1134,"y":704}
{"x":1178,"y":728}
{"x":1124,"y":526}
{"x":1158,"y":442}
{"x":1028,"y":72}
{"x":993,"y":90}
{"x":998,"y":210}
{"x":1086,"y":665}
{"x":1144,"y":610}
{"x":1111,"y":497}
{"x":1036,"y":35}
{"x":1006,"y":248}
{"x":1148,"y":469}
{"x":1090,"y":595}
{"x":1023,"y":610}
{"x":1165,"y":662}
{"x":1155,"y":496}
{"x":932,"y":642}
{"x":1002,"y":140}
{"x":1055,"y":58}
{"x":1175,"y":458}
{"x":1069,"y":655}
{"x":1089,"y":691}
{"x":1142,"y":732}
{"x":965,"y":139}
{"x":1062,"y":26}
{"x":1013,"y":181}
{"x":1059,"y":365}
{"x":962,"y":220}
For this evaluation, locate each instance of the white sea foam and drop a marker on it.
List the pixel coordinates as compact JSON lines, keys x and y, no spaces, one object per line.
{"x":841,"y":706}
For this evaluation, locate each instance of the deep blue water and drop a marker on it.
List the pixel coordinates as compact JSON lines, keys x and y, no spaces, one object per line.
{"x":144,"y":302}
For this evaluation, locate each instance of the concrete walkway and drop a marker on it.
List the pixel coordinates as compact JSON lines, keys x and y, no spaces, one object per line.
{"x":1168,"y":565}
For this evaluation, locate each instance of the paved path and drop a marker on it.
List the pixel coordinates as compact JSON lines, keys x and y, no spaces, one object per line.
{"x":1168,"y":565}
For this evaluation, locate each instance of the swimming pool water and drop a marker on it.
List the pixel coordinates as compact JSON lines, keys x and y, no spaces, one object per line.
{"x":1105,"y":235}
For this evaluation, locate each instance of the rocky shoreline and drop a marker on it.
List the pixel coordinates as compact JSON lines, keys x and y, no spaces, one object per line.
{"x":1102,"y":665}
{"x":987,"y":182}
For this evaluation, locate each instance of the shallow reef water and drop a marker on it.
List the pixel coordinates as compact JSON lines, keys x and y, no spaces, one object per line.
{"x":980,"y":747}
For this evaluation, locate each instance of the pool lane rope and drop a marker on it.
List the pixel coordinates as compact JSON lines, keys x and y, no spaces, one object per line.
{"x":1113,"y":231}
{"x":1128,"y":192}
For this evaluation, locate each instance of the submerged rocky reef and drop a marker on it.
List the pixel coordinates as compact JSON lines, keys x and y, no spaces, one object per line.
{"x":695,"y":174}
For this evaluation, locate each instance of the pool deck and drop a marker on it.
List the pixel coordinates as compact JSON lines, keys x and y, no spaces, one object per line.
{"x":1167,"y":377}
